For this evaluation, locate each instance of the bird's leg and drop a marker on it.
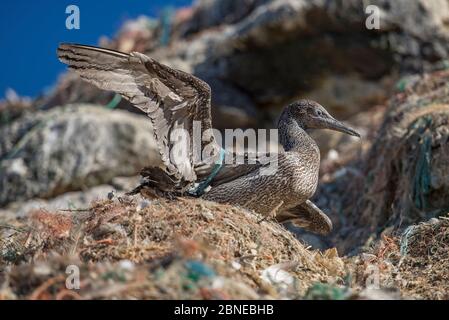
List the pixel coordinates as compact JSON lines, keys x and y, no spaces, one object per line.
{"x":134,"y":191}
{"x":272,"y":213}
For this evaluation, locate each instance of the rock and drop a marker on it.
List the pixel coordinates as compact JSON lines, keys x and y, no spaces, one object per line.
{"x":283,"y":49}
{"x":260,"y":54}
{"x":75,"y":200}
{"x":211,"y":13}
{"x":47,"y":153}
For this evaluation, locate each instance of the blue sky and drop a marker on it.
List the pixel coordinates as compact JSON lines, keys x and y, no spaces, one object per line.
{"x":30,"y":31}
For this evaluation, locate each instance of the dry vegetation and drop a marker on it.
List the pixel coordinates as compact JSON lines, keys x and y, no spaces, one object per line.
{"x":192,"y":249}
{"x":131,"y":248}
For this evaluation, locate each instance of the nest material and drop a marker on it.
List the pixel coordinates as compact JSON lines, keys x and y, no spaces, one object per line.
{"x":408,"y":180}
{"x":193,"y":249}
{"x":185,"y":249}
{"x":416,"y":262}
{"x":425,"y":260}
{"x":404,"y":178}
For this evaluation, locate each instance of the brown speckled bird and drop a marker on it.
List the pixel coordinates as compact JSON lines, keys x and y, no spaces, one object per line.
{"x":173,"y":99}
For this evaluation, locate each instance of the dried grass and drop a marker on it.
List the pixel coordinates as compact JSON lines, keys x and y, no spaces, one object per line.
{"x":169,"y":245}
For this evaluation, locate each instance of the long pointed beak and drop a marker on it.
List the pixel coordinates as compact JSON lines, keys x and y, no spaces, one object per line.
{"x":336,"y":125}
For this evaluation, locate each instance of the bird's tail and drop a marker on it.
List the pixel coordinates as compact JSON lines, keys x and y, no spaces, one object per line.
{"x":307,"y":216}
{"x":161,"y":183}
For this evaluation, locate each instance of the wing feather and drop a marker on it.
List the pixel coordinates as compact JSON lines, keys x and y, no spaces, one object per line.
{"x":308,"y":216}
{"x":171,"y":98}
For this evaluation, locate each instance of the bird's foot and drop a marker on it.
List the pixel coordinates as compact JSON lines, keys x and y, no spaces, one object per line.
{"x":272,"y":214}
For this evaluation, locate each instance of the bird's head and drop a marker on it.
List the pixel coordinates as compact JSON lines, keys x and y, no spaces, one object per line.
{"x":311,"y":115}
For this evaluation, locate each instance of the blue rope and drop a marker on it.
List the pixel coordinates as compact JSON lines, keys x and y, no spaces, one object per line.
{"x":199,"y":189}
{"x":114,"y":102}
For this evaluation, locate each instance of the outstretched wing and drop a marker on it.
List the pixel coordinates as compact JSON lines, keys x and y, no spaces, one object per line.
{"x":171,"y":98}
{"x":308,"y":216}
